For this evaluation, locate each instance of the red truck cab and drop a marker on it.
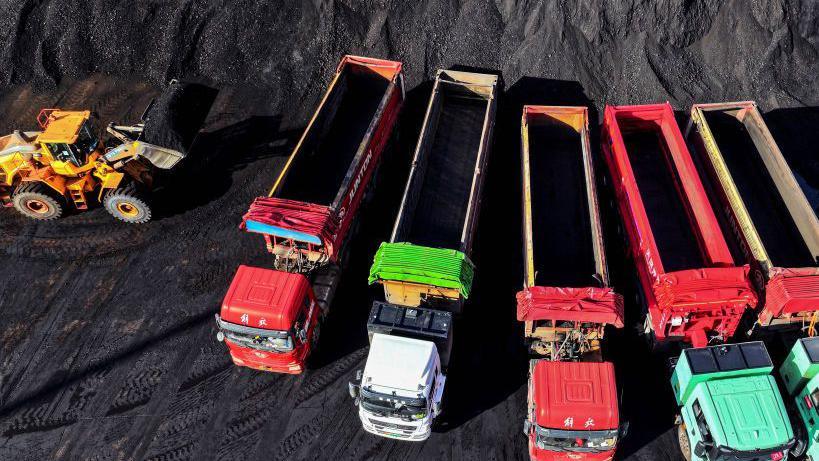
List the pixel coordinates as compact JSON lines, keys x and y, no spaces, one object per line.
{"x":573,"y":412}
{"x":268,"y":320}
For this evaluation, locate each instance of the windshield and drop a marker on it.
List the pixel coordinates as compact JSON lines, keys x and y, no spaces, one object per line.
{"x":256,"y":338}
{"x":581,"y":441}
{"x":406,"y":408}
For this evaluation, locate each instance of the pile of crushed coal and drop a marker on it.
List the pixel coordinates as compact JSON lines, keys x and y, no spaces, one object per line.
{"x":175,"y":117}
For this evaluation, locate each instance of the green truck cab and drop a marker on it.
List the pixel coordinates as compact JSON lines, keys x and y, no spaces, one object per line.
{"x":730,"y":405}
{"x":800,"y":376}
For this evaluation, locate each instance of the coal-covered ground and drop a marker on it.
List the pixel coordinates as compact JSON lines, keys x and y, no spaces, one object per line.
{"x":107,"y":342}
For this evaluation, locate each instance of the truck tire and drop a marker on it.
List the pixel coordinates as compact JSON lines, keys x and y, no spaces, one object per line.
{"x":127,"y":204}
{"x":685,"y":443}
{"x":38,"y":201}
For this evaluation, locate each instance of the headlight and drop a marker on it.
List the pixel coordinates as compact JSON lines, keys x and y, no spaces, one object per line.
{"x":281,"y":343}
{"x":418,"y":416}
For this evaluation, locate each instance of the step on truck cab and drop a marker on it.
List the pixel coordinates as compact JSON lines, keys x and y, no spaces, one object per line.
{"x":800,"y":377}
{"x":426,"y":264}
{"x":730,"y":406}
{"x":691,"y":287}
{"x":566,"y":301}
{"x":270,"y":318}
{"x":765,"y":209}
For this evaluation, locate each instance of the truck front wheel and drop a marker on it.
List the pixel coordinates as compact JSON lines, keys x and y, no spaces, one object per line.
{"x":38,"y":201}
{"x":128,"y":205}
{"x":685,"y":444}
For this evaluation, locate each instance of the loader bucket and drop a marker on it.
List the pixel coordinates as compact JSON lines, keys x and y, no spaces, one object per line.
{"x":160,"y":157}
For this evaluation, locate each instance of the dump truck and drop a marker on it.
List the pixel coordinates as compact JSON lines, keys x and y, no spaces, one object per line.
{"x":67,"y":164}
{"x":730,"y":405}
{"x":690,"y":287}
{"x":426,"y":269}
{"x":765,"y":209}
{"x":270,"y":318}
{"x":566,"y":301}
{"x":799,"y":374}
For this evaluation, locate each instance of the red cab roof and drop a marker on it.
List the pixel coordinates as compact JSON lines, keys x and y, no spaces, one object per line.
{"x":264,"y":298}
{"x":575,"y":395}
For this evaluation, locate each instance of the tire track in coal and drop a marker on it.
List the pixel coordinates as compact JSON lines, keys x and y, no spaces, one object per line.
{"x":69,"y":384}
{"x":316,"y":382}
{"x":138,"y":436}
{"x":35,"y":340}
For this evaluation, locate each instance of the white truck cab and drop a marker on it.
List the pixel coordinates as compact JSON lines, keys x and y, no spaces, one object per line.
{"x":399,"y":393}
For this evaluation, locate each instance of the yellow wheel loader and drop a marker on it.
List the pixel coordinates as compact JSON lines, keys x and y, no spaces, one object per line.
{"x":66,"y":164}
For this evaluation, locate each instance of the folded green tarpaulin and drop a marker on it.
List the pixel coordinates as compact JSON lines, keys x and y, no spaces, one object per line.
{"x":439,"y":267}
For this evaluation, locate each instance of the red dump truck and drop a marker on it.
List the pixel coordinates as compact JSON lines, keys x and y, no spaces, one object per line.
{"x":270,"y":319}
{"x":764,"y":207}
{"x":566,"y":301}
{"x":690,"y":285}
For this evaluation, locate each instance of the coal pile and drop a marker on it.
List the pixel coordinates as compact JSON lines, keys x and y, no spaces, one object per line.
{"x":175,"y":117}
{"x":107,"y":343}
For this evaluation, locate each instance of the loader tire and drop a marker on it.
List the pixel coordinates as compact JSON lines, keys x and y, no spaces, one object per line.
{"x":38,"y":201}
{"x":128,"y":205}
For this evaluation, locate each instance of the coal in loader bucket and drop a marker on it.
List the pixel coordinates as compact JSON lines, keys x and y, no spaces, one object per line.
{"x":169,"y":126}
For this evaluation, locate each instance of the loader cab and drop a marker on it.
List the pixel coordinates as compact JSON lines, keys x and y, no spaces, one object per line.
{"x":572,"y":411}
{"x":67,"y":136}
{"x":269,"y":320}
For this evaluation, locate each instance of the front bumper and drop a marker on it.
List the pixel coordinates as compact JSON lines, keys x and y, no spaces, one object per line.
{"x":416,"y":431}
{"x":293,"y":367}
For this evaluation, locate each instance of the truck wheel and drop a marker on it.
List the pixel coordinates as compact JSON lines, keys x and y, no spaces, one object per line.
{"x":127,"y":204}
{"x":38,"y":201}
{"x":685,"y":444}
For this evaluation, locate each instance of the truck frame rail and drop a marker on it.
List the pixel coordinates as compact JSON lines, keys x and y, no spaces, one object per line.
{"x":764,"y":207}
{"x":692,"y":289}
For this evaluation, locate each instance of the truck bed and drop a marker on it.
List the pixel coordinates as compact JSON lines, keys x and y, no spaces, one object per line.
{"x":666,"y":211}
{"x":562,"y":239}
{"x":767,"y":209}
{"x":319,"y":169}
{"x":444,"y":194}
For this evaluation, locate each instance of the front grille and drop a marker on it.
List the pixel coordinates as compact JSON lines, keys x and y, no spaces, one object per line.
{"x":400,"y":427}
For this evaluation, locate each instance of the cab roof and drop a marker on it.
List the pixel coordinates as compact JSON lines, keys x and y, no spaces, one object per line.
{"x":264,"y":298}
{"x":64,"y":126}
{"x":398,"y":363}
{"x":575,"y":395}
{"x":746,"y":413}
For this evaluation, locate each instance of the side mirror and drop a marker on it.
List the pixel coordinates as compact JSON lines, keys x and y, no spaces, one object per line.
{"x":527,"y":427}
{"x":301,"y":334}
{"x":699,"y":449}
{"x":436,"y":408}
{"x":358,"y":375}
{"x":220,"y":336}
{"x":355,"y":390}
{"x":624,"y":427}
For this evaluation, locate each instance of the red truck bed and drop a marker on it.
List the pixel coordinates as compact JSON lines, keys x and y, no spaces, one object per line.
{"x":315,"y":199}
{"x":692,"y":288}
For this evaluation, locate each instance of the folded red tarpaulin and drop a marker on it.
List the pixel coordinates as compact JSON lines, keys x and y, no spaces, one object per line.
{"x":704,"y":288}
{"x":306,"y":218}
{"x":790,"y":291}
{"x":598,"y":305}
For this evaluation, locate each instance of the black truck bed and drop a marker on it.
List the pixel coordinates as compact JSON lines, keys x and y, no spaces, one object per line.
{"x":767,"y":209}
{"x":320,"y":167}
{"x":444,"y":195}
{"x":666,"y":211}
{"x":562,"y":235}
